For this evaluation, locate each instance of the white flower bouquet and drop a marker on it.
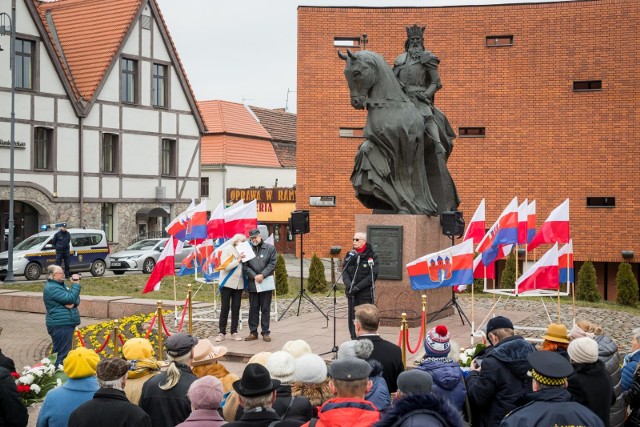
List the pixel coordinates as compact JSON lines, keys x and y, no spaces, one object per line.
{"x":34,"y":382}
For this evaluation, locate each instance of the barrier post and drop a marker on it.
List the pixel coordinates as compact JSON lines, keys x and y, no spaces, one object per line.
{"x":116,"y":337}
{"x":403,"y":330}
{"x":190,"y":311}
{"x":159,"y":321}
{"x":74,"y":338}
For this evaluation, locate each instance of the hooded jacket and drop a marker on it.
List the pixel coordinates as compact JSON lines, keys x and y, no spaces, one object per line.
{"x":501,"y":381}
{"x":447,"y":379}
{"x":421,"y":410}
{"x":346,"y":412}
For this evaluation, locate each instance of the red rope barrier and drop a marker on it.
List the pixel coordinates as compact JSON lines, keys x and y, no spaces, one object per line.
{"x":184,"y":311}
{"x":121,"y":339}
{"x":80,"y":340}
{"x":164,"y":327}
{"x":104,"y":344}
{"x":153,"y":321}
{"x":400,"y":338}
{"x":419,"y":338}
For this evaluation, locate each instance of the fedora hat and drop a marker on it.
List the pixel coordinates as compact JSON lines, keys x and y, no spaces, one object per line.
{"x":255,"y":381}
{"x":556,"y":333}
{"x":205,"y":353}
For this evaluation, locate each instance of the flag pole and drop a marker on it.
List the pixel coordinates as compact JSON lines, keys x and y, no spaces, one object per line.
{"x":175,"y":301}
{"x":473,"y":318}
{"x":516,"y":261}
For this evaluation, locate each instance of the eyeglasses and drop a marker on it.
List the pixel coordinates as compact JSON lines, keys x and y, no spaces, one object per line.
{"x":356,"y":240}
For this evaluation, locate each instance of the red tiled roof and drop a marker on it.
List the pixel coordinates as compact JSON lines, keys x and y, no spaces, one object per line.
{"x":237,"y":150}
{"x":232,"y":118}
{"x":281,"y":125}
{"x":286,"y":153}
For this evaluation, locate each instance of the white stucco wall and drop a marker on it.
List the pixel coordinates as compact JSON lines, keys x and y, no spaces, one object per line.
{"x":140,"y":155}
{"x":169,"y":121}
{"x":91,"y":187}
{"x":110,"y":187}
{"x":139,"y":188}
{"x":66,"y":114}
{"x":188,"y":125}
{"x":49,"y":78}
{"x":138,"y":119}
{"x":132,"y":43}
{"x":111,"y":88}
{"x":67,"y":186}
{"x":186,"y":148}
{"x":91,"y":152}
{"x":159,"y":48}
{"x":43,"y":180}
{"x":43,"y":109}
{"x":110,"y":116}
{"x":67,"y":149}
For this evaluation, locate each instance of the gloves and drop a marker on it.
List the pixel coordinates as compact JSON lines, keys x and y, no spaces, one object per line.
{"x":354,"y":291}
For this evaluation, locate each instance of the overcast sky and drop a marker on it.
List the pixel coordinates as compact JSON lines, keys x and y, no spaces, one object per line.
{"x":245,"y":50}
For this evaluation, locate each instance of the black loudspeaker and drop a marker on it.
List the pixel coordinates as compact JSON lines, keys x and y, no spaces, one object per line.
{"x":299,"y":222}
{"x":452,"y":223}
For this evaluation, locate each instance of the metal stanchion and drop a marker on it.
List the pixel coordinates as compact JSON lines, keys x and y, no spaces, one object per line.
{"x":116,"y":337}
{"x":159,"y":323}
{"x":190,"y":311}
{"x":403,"y":331}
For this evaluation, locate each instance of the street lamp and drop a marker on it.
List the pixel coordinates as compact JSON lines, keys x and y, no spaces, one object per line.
{"x":12,"y":59}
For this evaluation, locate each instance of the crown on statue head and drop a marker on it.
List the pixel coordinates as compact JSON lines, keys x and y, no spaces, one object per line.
{"x":415,"y":31}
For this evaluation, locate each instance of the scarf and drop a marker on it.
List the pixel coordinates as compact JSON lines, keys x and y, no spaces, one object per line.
{"x":143,"y":367}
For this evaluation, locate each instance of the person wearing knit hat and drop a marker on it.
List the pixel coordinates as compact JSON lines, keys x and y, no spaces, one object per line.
{"x":110,"y":406}
{"x":144,"y":366}
{"x":310,"y":379}
{"x":590,"y":384}
{"x":556,"y":339}
{"x":296,"y":348}
{"x":550,"y":403}
{"x":447,"y":376}
{"x":205,"y":395}
{"x":80,"y":366}
{"x":206,"y":358}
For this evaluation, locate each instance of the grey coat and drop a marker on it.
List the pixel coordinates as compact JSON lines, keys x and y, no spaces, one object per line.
{"x":264,"y":263}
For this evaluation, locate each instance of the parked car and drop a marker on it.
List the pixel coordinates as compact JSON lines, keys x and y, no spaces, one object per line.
{"x":143,"y":255}
{"x":89,"y":251}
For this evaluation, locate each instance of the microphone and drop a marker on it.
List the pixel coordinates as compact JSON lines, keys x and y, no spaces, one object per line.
{"x":370,"y":262}
{"x":350,"y":255}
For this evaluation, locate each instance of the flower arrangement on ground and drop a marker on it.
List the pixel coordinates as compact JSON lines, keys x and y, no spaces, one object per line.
{"x":467,"y":355}
{"x":34,"y":382}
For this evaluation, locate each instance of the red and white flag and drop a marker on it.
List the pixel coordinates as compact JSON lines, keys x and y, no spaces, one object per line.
{"x":241,"y":219}
{"x":522,"y":222}
{"x":543,"y":274}
{"x":475,"y":229}
{"x":165,"y":266}
{"x":555,"y":229}
{"x":215,"y":225}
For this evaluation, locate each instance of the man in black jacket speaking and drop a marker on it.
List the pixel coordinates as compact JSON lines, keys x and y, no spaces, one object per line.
{"x":360,"y":273}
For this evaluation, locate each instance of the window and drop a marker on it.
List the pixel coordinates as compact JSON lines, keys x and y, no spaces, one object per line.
{"x":204,"y":186}
{"x":128,"y":80}
{"x":346,"y":41}
{"x":497,"y":41}
{"x":24,"y":63}
{"x":109,"y":152}
{"x":471,"y":132}
{"x":587,"y":85}
{"x":351,"y":133}
{"x":168,"y":157}
{"x":601,"y":202}
{"x":159,"y":86}
{"x":42,"y":148}
{"x":107,"y":220}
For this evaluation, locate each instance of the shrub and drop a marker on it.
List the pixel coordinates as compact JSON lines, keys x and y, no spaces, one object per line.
{"x":508,"y":277}
{"x":627,"y":286}
{"x":317,"y":280}
{"x":586,"y":287}
{"x":282,"y":278}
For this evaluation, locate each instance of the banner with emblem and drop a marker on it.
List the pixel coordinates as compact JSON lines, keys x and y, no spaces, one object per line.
{"x":449,"y":267}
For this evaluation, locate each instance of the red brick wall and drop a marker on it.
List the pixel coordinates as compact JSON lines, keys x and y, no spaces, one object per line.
{"x":543,"y":141}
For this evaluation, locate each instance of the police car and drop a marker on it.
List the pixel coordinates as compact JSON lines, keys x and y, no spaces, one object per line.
{"x":89,"y":251}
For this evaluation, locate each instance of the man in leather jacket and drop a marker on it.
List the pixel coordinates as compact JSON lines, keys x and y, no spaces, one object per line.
{"x":360,"y":273}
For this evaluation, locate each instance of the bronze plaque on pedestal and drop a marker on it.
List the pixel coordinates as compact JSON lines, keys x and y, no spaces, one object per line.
{"x":386,"y":241}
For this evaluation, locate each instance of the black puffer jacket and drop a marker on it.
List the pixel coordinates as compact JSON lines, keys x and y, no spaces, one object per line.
{"x":420,"y":410}
{"x":502,"y":381}
{"x":608,"y":354}
{"x":590,"y":385}
{"x":12,"y":411}
{"x":357,"y":272}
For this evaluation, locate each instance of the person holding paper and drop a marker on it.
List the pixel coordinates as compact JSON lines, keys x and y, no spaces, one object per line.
{"x":231,"y":286}
{"x":259,"y":273}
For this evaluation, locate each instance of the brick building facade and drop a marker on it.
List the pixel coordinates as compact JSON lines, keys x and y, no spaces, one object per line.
{"x":553,"y":86}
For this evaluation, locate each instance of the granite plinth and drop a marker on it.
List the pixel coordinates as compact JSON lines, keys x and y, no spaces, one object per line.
{"x":420,"y":235}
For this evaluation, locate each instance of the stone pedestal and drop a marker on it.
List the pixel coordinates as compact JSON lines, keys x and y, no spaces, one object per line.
{"x":420,"y":235}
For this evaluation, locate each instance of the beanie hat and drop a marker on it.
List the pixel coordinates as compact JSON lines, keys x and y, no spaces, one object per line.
{"x":310,"y":369}
{"x":498,"y":322}
{"x":583,"y":350}
{"x":296,"y":348}
{"x":137,"y":349}
{"x":205,"y":393}
{"x":281,"y":366}
{"x":436,"y":343}
{"x":81,"y":363}
{"x":415,"y":381}
{"x":260,"y":358}
{"x":361,"y":349}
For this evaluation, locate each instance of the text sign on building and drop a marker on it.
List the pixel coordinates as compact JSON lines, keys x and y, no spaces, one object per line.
{"x":6,"y":143}
{"x":262,"y":195}
{"x":386,"y":241}
{"x":322,"y":200}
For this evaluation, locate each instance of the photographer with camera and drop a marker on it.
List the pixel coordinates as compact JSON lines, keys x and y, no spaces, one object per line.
{"x":62,"y":310}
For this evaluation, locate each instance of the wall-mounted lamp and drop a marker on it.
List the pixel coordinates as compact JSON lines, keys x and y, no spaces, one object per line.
{"x":364,"y":40}
{"x":335,"y":250}
{"x":627,"y":254}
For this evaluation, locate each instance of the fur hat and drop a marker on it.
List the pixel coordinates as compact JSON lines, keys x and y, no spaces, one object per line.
{"x":355,"y":348}
{"x":310,"y":369}
{"x":281,"y":366}
{"x":556,"y":333}
{"x":296,"y":348}
{"x":436,"y":343}
{"x":205,"y":353}
{"x":415,"y":381}
{"x":583,"y":350}
{"x":81,"y":363}
{"x":137,"y":349}
{"x":205,"y":393}
{"x":260,"y":358}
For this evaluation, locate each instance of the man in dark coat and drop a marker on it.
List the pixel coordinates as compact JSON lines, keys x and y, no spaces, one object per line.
{"x":12,"y":412}
{"x":551,"y":403}
{"x":110,"y":406}
{"x":360,"y":271}
{"x":62,"y":243}
{"x":257,"y":270}
{"x":495,"y":389}
{"x":388,"y":354}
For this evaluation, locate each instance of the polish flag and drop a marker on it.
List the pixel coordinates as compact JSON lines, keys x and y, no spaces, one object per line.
{"x":177,"y":226}
{"x":555,"y":229}
{"x":531,"y":221}
{"x":480,"y":271}
{"x":165,"y":266}
{"x":503,"y":231}
{"x":522,"y":222}
{"x":543,"y":274}
{"x":565,"y":263}
{"x":215,"y":225}
{"x":241,"y":219}
{"x":475,"y":229}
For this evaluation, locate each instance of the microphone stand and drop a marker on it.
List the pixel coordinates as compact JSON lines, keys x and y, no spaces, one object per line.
{"x":333,"y":289}
{"x":373,"y":284}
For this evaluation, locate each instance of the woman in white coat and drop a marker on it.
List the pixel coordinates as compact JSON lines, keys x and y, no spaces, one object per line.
{"x":231,"y":287}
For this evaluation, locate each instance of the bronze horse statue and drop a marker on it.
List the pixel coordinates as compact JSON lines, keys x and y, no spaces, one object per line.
{"x":391,"y":165}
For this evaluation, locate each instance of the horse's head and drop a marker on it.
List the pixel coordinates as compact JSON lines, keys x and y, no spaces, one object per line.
{"x":361,"y":76}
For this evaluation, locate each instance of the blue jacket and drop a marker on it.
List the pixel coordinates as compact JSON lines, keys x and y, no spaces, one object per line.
{"x":61,"y":241}
{"x":420,"y":410}
{"x":447,"y":379}
{"x":61,"y":401}
{"x":630,"y":364}
{"x":55,"y":297}
{"x":379,"y":392}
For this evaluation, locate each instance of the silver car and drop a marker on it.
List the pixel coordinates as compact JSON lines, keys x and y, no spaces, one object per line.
{"x":143,"y":255}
